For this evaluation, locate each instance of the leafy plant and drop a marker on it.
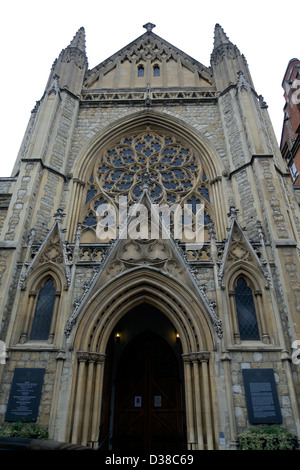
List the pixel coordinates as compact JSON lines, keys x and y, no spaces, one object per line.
{"x":267,"y":437}
{"x":24,"y":430}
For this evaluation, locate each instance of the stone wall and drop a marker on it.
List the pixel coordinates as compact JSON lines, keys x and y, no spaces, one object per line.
{"x":28,"y":358}
{"x":63,"y":134}
{"x":6,"y":190}
{"x":93,"y":120}
{"x":48,"y":204}
{"x":259,"y":360}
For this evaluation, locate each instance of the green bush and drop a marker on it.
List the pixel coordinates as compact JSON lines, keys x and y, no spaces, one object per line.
{"x":267,"y":437}
{"x":24,"y":430}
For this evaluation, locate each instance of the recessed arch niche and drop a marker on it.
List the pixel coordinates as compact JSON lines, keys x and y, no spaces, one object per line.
{"x":143,"y":404}
{"x":107,"y":309}
{"x":161,"y":124}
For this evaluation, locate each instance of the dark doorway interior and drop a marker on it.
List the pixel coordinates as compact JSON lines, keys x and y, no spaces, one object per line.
{"x":143,"y":403}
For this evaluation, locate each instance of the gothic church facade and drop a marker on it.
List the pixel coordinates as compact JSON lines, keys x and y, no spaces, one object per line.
{"x":147,"y":338}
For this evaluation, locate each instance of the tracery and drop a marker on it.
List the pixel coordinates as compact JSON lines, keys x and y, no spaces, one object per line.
{"x":172,"y":171}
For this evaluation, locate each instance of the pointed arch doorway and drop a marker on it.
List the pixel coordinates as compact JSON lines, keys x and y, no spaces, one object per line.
{"x":144,"y":398}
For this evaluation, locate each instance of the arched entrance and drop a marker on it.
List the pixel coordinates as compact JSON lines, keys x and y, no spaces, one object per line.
{"x":110,"y":308}
{"x":144,"y":395}
{"x":147,"y":410}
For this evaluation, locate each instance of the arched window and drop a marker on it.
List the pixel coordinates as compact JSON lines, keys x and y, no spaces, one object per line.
{"x":40,"y":329}
{"x":246,"y":313}
{"x":141,"y":71}
{"x":168,"y":167}
{"x":156,"y":71}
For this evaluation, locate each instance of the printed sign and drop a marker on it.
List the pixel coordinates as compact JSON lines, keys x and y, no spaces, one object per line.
{"x":157,"y":401}
{"x":25,"y":395}
{"x":137,"y":402}
{"x":261,"y":396}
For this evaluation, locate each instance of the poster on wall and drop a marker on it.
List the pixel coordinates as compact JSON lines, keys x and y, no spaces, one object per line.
{"x":137,"y":401}
{"x":25,"y":395}
{"x":261,"y":396}
{"x":157,"y":401}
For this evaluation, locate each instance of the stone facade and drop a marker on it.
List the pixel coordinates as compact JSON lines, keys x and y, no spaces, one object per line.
{"x":218,"y":127}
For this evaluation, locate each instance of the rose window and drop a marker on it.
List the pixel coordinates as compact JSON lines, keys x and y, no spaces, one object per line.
{"x":171,"y":170}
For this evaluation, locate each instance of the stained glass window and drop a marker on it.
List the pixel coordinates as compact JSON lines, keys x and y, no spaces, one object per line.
{"x":171,"y":170}
{"x":90,"y":219}
{"x":246,"y":312}
{"x":43,"y":312}
{"x":90,"y":194}
{"x":169,"y":165}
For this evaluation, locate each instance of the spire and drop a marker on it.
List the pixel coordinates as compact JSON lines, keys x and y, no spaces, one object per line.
{"x":223,"y":47}
{"x":70,"y":67}
{"x":227,"y":61}
{"x":220,"y":37}
{"x":79,"y":40}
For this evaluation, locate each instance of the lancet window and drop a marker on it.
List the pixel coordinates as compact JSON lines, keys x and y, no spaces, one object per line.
{"x":42,"y":319}
{"x":141,"y":71}
{"x":42,"y":309}
{"x":156,"y":71}
{"x":246,"y":313}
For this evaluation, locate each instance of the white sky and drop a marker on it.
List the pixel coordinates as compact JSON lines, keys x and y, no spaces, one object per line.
{"x":34,"y":32}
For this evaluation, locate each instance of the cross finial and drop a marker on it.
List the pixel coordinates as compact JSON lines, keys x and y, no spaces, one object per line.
{"x":149,"y":27}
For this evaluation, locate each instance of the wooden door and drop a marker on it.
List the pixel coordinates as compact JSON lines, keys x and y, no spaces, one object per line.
{"x":148,"y":411}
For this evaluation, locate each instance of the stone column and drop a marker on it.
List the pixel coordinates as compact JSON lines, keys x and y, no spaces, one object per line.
{"x":261,"y":317}
{"x":228,"y":387}
{"x":54,"y":317}
{"x":29,"y":316}
{"x":88,"y":399}
{"x":189,"y":399}
{"x":87,"y":408}
{"x":61,"y":357}
{"x":207,"y":401}
{"x":199,"y":423}
{"x":219,"y":202}
{"x":198,"y":400}
{"x":80,"y":394}
{"x":96,"y":407}
{"x":74,"y":213}
{"x":233,"y":316}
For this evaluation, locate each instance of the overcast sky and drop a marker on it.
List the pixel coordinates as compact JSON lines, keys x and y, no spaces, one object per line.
{"x":34,"y":32}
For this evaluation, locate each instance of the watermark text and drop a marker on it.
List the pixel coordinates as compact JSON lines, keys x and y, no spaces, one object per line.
{"x":138,"y":221}
{"x":296,"y":94}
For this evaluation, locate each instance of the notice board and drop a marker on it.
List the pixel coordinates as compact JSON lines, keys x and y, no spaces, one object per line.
{"x":261,"y":396}
{"x":25,"y":395}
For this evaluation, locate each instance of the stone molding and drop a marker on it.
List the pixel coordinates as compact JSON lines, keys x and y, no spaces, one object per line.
{"x":199,"y":356}
{"x":88,"y":356}
{"x":153,"y":95}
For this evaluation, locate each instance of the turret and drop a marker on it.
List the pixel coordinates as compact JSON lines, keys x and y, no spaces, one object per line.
{"x":245,"y":109}
{"x":227,"y":61}
{"x":67,"y":76}
{"x":71,"y":65}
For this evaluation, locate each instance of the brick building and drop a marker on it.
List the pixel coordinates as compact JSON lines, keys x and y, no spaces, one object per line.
{"x":146,"y":329}
{"x":290,"y":138}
